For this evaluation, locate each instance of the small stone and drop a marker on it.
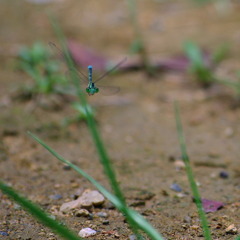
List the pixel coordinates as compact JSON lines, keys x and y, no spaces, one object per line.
{"x":181,"y":195}
{"x":105,"y":222}
{"x":94,"y":197}
{"x":213,"y":175}
{"x":102,"y":214}
{"x":88,"y":199}
{"x":195,"y":227}
{"x":86,"y":203}
{"x":2,"y":233}
{"x":16,"y":206}
{"x":82,"y":213}
{"x":132,"y":237}
{"x":66,"y":207}
{"x":86,"y":232}
{"x":223,"y":174}
{"x":74,"y":185}
{"x":55,"y":197}
{"x":66,"y":168}
{"x":175,"y":187}
{"x":231,"y":229}
{"x":52,"y":217}
{"x":179,"y":164}
{"x":187,"y":219}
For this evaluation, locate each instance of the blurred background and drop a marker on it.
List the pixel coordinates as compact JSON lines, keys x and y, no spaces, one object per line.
{"x":177,"y":50}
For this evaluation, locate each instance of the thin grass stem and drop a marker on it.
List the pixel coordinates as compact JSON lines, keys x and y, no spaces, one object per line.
{"x":191,"y":179}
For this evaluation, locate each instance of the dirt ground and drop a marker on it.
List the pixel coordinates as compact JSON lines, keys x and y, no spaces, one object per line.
{"x":137,"y":124}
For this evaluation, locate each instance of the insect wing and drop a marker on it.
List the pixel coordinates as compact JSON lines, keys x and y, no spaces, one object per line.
{"x":73,"y":73}
{"x":108,"y":90}
{"x":56,"y":51}
{"x":111,"y":70}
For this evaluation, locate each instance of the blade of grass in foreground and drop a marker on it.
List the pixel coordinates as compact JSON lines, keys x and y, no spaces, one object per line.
{"x":194,"y":188}
{"x":138,"y":220}
{"x":102,"y":153}
{"x":39,"y":214}
{"x":91,"y":122}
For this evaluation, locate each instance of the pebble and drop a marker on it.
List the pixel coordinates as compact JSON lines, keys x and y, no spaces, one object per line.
{"x":181,"y":195}
{"x":102,"y":214}
{"x":179,"y":164}
{"x":105,"y":222}
{"x":88,"y":199}
{"x":16,"y":206}
{"x":55,"y":196}
{"x":175,"y":187}
{"x":52,"y":217}
{"x":86,"y":232}
{"x":2,"y":233}
{"x":82,"y":213}
{"x":231,"y":229}
{"x":132,"y":237}
{"x":187,"y":219}
{"x":66,"y":207}
{"x":223,"y":174}
{"x":195,"y":227}
{"x":66,"y":168}
{"x":96,"y":198}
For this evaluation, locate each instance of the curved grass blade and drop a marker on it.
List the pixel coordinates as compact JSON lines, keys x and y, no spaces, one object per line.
{"x":39,"y":214}
{"x":131,"y":215}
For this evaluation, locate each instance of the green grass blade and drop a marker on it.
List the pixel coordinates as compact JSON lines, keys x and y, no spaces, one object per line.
{"x":194,"y":54}
{"x":194,"y":188}
{"x":102,"y":153}
{"x":134,"y":217}
{"x":91,"y":123}
{"x":103,"y":156}
{"x":39,"y":214}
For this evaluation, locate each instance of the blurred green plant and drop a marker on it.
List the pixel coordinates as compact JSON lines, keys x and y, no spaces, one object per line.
{"x":138,"y":45}
{"x":203,"y":73}
{"x":198,"y":68}
{"x":234,"y":85}
{"x":37,"y":62}
{"x":222,"y":6}
{"x":81,"y":113}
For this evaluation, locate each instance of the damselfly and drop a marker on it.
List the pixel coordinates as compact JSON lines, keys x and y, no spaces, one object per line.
{"x":91,"y":88}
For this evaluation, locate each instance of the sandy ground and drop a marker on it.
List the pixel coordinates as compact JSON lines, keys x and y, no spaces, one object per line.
{"x":137,"y":124}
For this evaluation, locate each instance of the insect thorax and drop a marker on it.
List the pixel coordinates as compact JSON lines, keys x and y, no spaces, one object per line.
{"x":92,"y":91}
